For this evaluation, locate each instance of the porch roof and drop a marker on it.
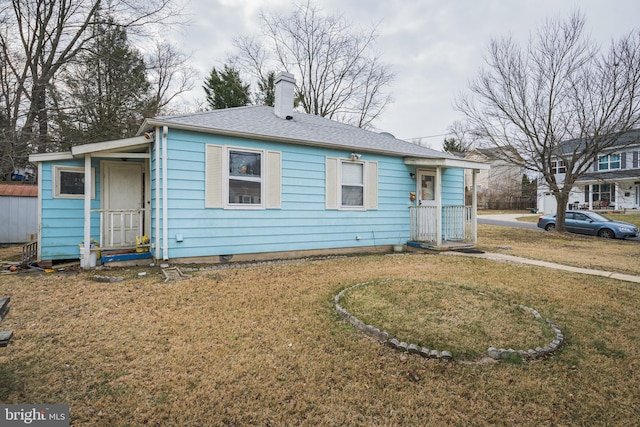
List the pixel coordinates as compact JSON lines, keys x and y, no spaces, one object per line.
{"x":447,"y":163}
{"x":610,"y":176}
{"x":135,"y":145}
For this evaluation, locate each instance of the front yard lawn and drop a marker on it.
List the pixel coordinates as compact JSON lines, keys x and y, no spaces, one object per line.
{"x":264,"y":345}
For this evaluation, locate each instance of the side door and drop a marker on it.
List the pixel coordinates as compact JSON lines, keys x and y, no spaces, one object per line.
{"x":570,"y":222}
{"x":427,"y":225}
{"x":583,"y":224}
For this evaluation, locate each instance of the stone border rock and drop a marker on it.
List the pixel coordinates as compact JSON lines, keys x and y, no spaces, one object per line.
{"x":397,"y":344}
{"x":501,"y":353}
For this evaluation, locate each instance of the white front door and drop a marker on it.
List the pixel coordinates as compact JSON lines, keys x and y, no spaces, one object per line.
{"x":426,"y":224}
{"x":426,"y":188}
{"x":123,"y":195}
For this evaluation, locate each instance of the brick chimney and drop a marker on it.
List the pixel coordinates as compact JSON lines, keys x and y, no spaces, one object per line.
{"x":285,"y":89}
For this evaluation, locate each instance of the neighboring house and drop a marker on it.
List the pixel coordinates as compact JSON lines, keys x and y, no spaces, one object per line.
{"x":613,"y":181}
{"x":18,"y":213}
{"x":251,"y":182}
{"x":499,"y":187}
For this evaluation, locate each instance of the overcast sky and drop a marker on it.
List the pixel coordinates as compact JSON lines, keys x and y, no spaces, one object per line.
{"x":434,"y":46}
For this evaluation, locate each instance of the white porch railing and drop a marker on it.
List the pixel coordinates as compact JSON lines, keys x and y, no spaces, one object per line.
{"x":457,"y":224}
{"x":119,"y":227}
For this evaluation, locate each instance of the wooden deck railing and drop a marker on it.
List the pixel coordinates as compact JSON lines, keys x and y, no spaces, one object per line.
{"x":119,"y":227}
{"x":456,"y":225}
{"x":30,"y":252}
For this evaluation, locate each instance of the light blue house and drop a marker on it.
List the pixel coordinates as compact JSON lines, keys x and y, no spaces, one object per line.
{"x":252,"y":182}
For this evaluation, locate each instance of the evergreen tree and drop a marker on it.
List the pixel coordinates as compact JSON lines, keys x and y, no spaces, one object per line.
{"x":107,"y":89}
{"x":267,"y":89}
{"x":452,"y":145}
{"x":225,"y":89}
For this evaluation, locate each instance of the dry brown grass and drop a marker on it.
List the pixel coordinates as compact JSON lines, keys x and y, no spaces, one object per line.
{"x":264,"y":346}
{"x":571,"y":249}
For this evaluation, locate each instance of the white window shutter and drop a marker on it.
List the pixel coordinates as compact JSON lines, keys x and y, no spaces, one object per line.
{"x":371,"y":185}
{"x":274,"y":180}
{"x":213,"y":191}
{"x":331,"y":182}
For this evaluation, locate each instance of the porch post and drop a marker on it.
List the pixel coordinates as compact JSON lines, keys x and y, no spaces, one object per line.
{"x":474,"y":207}
{"x":590,"y":197}
{"x":438,"y":195}
{"x":86,"y":249}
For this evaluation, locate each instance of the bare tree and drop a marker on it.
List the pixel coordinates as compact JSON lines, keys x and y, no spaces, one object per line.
{"x":461,"y":136}
{"x":338,"y":74}
{"x":169,"y":74}
{"x":38,"y":38}
{"x":560,"y":87}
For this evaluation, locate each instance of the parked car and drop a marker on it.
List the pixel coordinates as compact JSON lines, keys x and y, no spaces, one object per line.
{"x":592,"y":223}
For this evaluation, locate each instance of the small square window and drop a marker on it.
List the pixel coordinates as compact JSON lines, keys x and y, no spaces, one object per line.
{"x":69,"y":182}
{"x":558,"y":167}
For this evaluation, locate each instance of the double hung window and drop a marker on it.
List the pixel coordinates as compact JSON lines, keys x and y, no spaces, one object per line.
{"x":239,"y":178}
{"x":351,"y":185}
{"x":608,"y":162}
{"x":245,"y":177}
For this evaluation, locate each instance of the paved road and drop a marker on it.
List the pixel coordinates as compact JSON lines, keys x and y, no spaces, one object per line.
{"x":508,"y":220}
{"x":511,"y":220}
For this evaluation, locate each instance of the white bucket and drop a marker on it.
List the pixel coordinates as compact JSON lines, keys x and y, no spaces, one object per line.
{"x":93,"y":255}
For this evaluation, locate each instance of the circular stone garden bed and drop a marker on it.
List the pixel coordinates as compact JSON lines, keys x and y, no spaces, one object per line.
{"x":446,"y":321}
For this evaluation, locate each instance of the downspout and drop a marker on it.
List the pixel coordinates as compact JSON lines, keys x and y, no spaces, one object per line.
{"x":438,"y":206}
{"x":474,"y":206}
{"x":39,"y":231}
{"x":165,"y":221}
{"x":86,"y":248}
{"x":158,"y":142}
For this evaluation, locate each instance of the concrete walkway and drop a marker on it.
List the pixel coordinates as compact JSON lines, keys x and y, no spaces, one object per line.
{"x":521,"y":260}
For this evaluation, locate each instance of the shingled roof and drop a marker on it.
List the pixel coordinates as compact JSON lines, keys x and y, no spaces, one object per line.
{"x":260,"y":122}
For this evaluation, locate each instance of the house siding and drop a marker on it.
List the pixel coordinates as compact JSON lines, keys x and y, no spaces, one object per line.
{"x":62,"y":222}
{"x":302,"y":222}
{"x":452,"y":187}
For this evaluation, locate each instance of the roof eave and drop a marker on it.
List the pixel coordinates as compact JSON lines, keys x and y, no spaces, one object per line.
{"x":44,"y":157}
{"x":444,"y":162}
{"x":117,"y":144}
{"x":149,"y":124}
